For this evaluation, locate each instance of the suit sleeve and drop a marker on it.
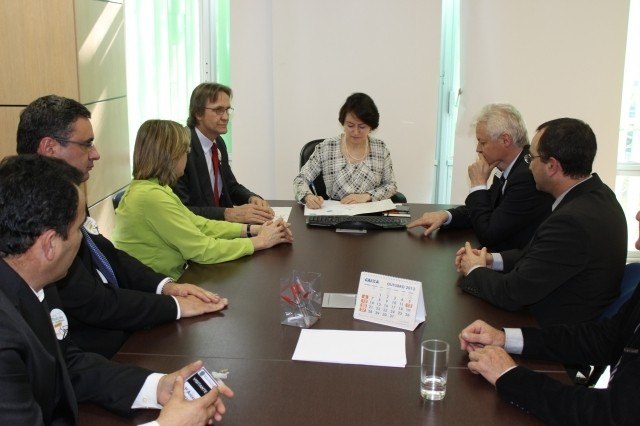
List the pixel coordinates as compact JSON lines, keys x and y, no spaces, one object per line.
{"x":459,"y":217}
{"x":96,"y":304}
{"x":519,"y":205}
{"x":18,"y":405}
{"x":97,"y":380}
{"x":558,"y":253}
{"x":132,"y":273}
{"x":183,"y":191}
{"x":559,"y":404}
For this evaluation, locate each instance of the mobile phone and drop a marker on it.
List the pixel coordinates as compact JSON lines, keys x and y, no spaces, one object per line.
{"x":199,"y":384}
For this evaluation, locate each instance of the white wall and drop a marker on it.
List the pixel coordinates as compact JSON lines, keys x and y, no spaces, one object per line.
{"x":550,"y":59}
{"x":293,"y":63}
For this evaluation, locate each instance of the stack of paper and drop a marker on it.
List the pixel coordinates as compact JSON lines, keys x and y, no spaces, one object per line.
{"x":335,"y":208}
{"x":380,"y":348}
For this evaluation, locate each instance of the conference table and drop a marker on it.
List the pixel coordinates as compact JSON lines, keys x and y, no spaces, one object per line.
{"x":248,"y":341}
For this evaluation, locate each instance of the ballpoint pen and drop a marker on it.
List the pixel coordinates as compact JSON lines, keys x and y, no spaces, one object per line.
{"x":313,"y":188}
{"x":300,"y":304}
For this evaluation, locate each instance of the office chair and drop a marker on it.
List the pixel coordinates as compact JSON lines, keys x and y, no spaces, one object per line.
{"x":630,"y":280}
{"x":117,"y":197}
{"x":318,"y":182}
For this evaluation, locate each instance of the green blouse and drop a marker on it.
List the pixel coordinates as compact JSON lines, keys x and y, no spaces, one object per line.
{"x":154,"y":226}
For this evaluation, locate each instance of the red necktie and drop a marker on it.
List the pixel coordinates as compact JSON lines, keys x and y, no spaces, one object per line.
{"x":216,"y":173}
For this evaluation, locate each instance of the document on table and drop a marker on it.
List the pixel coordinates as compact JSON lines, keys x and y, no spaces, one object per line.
{"x":379,"y":348}
{"x":281,"y":212}
{"x":334,"y":208}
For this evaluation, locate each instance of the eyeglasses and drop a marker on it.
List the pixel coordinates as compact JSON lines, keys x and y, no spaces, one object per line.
{"x":88,"y":144}
{"x":221,"y":110}
{"x":528,"y":158}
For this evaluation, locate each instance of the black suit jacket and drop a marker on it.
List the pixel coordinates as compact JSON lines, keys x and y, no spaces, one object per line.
{"x":572,"y":268}
{"x":505,"y":221}
{"x":101,"y":315}
{"x":42,"y":379}
{"x":597,"y":343}
{"x":194,"y":187}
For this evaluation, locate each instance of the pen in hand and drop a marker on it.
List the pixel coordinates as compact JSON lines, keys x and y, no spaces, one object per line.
{"x":313,"y":188}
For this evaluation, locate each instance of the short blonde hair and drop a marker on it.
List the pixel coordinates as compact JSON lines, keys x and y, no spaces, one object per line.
{"x":159,"y":146}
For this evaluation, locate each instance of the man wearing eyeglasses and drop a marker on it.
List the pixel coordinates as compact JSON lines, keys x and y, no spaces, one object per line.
{"x":571,"y":269}
{"x":506,"y":214}
{"x":208,"y":186}
{"x":107,"y":294}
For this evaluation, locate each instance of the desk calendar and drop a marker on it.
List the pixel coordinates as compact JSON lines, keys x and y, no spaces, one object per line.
{"x":391,"y":301}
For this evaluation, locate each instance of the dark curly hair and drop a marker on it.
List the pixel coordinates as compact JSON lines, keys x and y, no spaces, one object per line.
{"x":37,"y":193}
{"x":49,"y":115}
{"x":571,"y":142}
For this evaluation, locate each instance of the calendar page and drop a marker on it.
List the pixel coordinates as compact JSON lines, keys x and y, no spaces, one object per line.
{"x":391,"y":301}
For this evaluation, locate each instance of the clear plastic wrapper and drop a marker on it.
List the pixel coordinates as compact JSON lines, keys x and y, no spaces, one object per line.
{"x":300,"y":299}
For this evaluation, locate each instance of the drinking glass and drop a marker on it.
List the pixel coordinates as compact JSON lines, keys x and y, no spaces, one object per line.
{"x":434,"y":361}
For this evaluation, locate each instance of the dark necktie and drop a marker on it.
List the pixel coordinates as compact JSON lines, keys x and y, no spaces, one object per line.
{"x":498,"y":184}
{"x":502,"y":180}
{"x":99,"y":259}
{"x":216,"y":173}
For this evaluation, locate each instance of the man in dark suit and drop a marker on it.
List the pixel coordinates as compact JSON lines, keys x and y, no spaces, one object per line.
{"x":43,"y":376}
{"x":506,"y":215}
{"x":106,"y":300}
{"x":208,"y":186}
{"x":613,"y":341}
{"x":572,"y":267}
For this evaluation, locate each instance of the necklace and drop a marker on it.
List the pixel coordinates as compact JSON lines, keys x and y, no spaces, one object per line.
{"x":356,"y":160}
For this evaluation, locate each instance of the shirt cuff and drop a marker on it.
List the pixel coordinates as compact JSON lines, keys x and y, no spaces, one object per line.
{"x":513,"y":340}
{"x":162,"y":284}
{"x":449,"y":218}
{"x":148,"y":395}
{"x":177,"y":307}
{"x":498,"y":263}
{"x":477,"y":188}
{"x":506,"y":371}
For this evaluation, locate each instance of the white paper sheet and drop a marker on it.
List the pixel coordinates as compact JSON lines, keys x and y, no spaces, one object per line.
{"x":334,"y":208}
{"x":379,"y":348}
{"x":281,"y":212}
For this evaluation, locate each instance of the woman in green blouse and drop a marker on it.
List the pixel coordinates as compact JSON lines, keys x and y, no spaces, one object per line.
{"x":154,"y":226}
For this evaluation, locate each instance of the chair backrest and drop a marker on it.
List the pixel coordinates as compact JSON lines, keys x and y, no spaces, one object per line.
{"x":305,"y":153}
{"x":116,"y":197}
{"x":630,"y":280}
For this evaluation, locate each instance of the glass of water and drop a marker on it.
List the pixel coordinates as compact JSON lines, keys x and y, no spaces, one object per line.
{"x":434,"y":361}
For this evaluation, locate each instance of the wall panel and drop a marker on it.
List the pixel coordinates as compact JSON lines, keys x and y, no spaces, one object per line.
{"x":550,"y":59}
{"x":294,"y":63}
{"x":9,"y":117}
{"x":37,"y":50}
{"x":112,"y":171}
{"x":101,"y":50}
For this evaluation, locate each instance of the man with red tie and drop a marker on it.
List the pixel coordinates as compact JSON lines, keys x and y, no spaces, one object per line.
{"x":208,"y":186}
